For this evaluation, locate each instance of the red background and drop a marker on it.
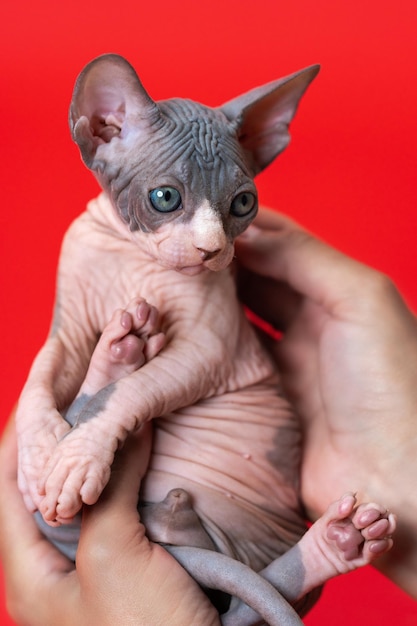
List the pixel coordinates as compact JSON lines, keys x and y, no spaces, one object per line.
{"x":349,"y":174}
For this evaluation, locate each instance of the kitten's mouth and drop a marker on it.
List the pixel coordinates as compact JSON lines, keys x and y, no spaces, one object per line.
{"x":192,"y":270}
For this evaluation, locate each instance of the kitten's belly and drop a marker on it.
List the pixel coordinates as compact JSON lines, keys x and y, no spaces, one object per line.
{"x":238,"y":456}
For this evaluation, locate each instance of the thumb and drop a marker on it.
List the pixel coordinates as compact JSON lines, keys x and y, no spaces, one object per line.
{"x":279,"y":249}
{"x":119,"y":499}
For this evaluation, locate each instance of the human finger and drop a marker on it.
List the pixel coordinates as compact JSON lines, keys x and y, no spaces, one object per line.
{"x":118,"y":502}
{"x":30,"y":563}
{"x":136,"y":581}
{"x":278,"y":249}
{"x":19,"y":533}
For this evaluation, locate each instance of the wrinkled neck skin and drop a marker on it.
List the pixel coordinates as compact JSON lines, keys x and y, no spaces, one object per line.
{"x":173,"y":246}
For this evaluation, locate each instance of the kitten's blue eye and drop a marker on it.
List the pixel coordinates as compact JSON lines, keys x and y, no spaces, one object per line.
{"x":243,"y":204}
{"x":165,"y":199}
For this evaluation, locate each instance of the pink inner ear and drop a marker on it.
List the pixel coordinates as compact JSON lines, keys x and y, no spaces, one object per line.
{"x":264,"y":135}
{"x":109,"y":94}
{"x":102,"y":103}
{"x":109,"y":86}
{"x":107,"y":126}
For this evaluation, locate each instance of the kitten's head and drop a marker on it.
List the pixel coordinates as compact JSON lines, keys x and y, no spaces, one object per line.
{"x":178,"y":173}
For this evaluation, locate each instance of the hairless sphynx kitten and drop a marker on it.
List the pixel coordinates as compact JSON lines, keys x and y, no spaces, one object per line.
{"x":221,"y":491}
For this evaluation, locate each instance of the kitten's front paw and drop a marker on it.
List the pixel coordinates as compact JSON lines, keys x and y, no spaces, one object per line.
{"x":76,"y":473}
{"x":34,"y":451}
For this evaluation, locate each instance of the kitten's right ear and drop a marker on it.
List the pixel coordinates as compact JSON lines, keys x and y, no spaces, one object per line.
{"x":262,"y":116}
{"x":108,"y":102}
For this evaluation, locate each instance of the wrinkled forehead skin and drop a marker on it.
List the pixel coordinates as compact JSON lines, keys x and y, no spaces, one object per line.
{"x":190,"y":147}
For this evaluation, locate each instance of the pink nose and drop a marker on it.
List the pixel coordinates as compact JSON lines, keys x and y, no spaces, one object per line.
{"x":206,"y":255}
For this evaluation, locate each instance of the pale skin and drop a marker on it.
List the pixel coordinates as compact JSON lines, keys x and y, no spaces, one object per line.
{"x":128,"y":341}
{"x":120,"y":575}
{"x":48,"y":590}
{"x":259,"y":251}
{"x":93,"y":297}
{"x":346,"y":537}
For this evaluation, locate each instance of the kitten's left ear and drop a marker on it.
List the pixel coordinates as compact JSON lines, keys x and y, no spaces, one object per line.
{"x":262,"y":115}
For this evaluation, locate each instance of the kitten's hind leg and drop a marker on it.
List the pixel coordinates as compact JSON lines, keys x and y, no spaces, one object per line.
{"x":345,"y":538}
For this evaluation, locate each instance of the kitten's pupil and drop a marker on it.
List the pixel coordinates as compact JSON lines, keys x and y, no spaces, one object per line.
{"x":243,"y":204}
{"x":165,"y":199}
{"x":166,"y":196}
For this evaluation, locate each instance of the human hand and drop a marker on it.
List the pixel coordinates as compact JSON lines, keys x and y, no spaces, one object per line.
{"x":120,"y":577}
{"x":348,"y":359}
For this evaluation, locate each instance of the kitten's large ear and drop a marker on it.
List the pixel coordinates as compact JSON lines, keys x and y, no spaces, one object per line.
{"x":263,"y":115}
{"x":108,"y":101}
